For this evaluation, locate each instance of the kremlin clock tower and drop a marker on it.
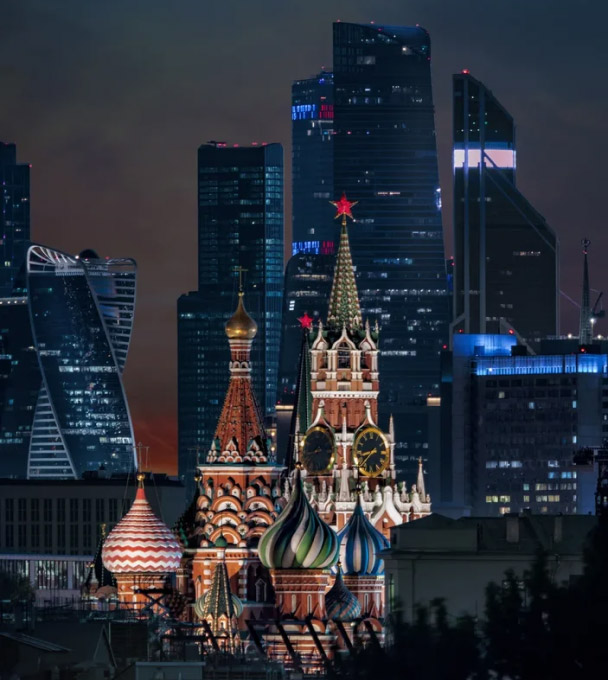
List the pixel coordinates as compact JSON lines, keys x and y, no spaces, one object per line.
{"x":338,"y":439}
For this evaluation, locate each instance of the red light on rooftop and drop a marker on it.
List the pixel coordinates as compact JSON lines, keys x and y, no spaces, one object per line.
{"x":444,"y":347}
{"x":511,"y":331}
{"x":465,"y":71}
{"x":583,"y":350}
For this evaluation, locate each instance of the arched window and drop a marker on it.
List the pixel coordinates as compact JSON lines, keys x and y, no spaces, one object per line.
{"x":343,"y":356}
{"x":261,"y":592}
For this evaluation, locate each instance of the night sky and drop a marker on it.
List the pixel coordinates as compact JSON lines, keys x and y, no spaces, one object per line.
{"x":109,"y":101}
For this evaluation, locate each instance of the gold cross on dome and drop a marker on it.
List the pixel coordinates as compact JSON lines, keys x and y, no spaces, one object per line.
{"x":241,"y":271}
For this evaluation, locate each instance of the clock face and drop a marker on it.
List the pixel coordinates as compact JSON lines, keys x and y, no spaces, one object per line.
{"x":371,"y":452}
{"x":318,"y":450}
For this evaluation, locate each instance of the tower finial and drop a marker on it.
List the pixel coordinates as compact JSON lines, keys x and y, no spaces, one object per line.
{"x":344,"y":208}
{"x":241,"y":271}
{"x":344,"y":309}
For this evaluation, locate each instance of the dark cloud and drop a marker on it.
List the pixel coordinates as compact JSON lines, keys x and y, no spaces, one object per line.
{"x":109,"y":102}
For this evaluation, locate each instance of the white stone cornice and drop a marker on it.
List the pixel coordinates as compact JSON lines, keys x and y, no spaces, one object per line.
{"x":325,"y":394}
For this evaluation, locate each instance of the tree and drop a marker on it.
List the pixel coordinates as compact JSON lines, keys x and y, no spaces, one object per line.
{"x":15,"y":588}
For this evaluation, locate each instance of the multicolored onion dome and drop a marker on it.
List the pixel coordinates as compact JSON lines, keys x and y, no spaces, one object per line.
{"x":340,"y":603}
{"x":140,"y":542}
{"x":240,"y":324}
{"x":299,"y":539}
{"x":360,"y":543}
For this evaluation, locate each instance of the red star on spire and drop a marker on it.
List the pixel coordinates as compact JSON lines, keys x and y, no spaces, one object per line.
{"x":305,"y":321}
{"x":344,"y":207}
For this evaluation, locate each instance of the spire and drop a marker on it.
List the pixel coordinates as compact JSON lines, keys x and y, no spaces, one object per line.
{"x":420,"y":482}
{"x":220,"y":606}
{"x":302,"y":409}
{"x":240,"y":434}
{"x":344,"y":309}
{"x":586,"y":326}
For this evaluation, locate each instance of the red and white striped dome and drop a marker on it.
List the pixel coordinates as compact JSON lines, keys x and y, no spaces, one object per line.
{"x":140,"y":543}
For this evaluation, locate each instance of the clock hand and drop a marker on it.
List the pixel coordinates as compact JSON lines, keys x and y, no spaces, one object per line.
{"x":365,"y":456}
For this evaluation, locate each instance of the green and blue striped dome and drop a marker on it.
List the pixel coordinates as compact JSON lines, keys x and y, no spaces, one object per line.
{"x":340,"y":603}
{"x":299,"y":539}
{"x":360,"y":545}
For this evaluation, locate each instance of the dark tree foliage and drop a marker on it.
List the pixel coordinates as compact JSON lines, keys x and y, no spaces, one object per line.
{"x":433,"y":647}
{"x":15,"y":588}
{"x":533,"y":629}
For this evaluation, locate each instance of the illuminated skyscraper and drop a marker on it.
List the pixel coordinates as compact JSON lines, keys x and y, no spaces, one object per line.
{"x":312,"y":116}
{"x":385,"y":157}
{"x":14,"y":216}
{"x":64,"y":409}
{"x":506,"y":255}
{"x":240,"y":225}
{"x":310,"y":270}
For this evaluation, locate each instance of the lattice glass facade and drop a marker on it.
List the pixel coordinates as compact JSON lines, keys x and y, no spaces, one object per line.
{"x":14,"y":216}
{"x":385,"y":157}
{"x":240,"y":191}
{"x":506,"y":255}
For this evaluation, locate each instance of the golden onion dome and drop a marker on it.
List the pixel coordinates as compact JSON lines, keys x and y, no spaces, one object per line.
{"x":240,"y":325}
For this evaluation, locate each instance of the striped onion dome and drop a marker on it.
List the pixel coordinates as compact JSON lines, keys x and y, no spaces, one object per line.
{"x":340,"y":603}
{"x":299,"y":538}
{"x":140,"y":542}
{"x":360,"y":543}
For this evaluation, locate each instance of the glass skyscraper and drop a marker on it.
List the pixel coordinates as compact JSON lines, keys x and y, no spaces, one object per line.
{"x":506,"y":255}
{"x":308,"y":279}
{"x":14,"y":216}
{"x":385,"y":158}
{"x":64,"y":409}
{"x":312,"y":116}
{"x":309,"y":272}
{"x":240,"y":226}
{"x":20,"y":384}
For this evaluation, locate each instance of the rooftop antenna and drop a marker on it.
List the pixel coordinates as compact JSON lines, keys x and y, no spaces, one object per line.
{"x":586,"y":323}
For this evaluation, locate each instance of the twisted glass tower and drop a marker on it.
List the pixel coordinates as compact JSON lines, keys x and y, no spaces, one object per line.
{"x":81,"y":312}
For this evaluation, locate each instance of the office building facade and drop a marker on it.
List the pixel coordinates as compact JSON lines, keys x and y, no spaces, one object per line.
{"x":506,"y":255}
{"x":51,"y":530}
{"x":14,"y":216}
{"x":517,"y":421}
{"x":64,"y":410}
{"x":309,"y":272}
{"x":240,"y":191}
{"x":312,"y":116}
{"x":385,"y":158}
